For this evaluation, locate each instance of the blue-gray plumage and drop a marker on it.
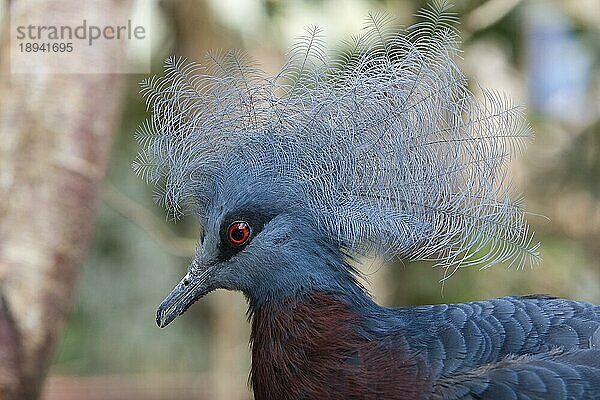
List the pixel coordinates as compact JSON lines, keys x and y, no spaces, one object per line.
{"x":546,"y":376}
{"x":382,"y":150}
{"x":458,"y":337}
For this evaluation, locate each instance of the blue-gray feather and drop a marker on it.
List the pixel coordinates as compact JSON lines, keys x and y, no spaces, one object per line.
{"x":493,"y":349}
{"x":556,"y":375}
{"x":478,"y":333}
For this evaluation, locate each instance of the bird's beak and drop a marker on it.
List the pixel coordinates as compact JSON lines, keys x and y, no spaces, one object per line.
{"x":191,"y":288}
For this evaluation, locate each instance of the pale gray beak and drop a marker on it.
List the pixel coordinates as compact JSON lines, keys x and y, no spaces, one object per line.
{"x":191,"y":288}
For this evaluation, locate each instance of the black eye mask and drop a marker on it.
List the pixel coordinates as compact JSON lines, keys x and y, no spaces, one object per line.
{"x":255,"y":220}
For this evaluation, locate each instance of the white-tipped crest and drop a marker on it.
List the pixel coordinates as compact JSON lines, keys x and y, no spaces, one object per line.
{"x":383,"y":145}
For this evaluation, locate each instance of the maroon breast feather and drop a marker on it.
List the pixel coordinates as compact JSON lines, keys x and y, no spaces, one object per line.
{"x":311,"y":348}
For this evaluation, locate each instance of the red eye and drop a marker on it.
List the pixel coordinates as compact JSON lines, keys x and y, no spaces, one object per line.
{"x":239,"y":232}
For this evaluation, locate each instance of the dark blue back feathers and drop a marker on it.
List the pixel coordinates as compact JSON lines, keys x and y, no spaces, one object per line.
{"x":532,"y":347}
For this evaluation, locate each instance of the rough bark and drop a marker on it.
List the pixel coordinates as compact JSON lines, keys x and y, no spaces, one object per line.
{"x":55,"y":135}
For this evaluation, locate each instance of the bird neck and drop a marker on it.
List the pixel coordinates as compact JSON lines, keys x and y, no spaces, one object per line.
{"x":320,"y":269}
{"x":316,"y":342}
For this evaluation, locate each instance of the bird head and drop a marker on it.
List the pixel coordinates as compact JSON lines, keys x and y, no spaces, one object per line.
{"x":380,"y":149}
{"x":261,"y":245}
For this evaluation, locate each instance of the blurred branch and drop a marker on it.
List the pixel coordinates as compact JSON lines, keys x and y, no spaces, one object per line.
{"x":145,"y":219}
{"x":487,"y":15}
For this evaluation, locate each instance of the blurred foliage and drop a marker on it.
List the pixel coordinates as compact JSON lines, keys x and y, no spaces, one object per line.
{"x":128,"y":273}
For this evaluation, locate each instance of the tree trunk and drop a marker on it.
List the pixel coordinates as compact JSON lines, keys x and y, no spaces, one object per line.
{"x":55,"y":135}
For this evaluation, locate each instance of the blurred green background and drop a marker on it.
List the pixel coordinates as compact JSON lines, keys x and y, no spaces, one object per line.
{"x":545,"y":54}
